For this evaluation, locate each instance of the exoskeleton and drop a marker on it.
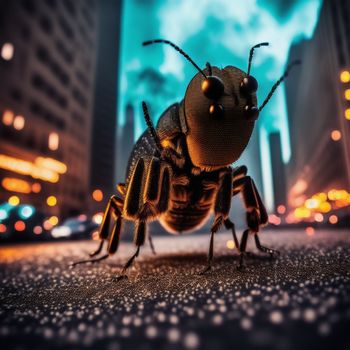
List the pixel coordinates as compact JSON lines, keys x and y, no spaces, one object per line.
{"x":180,"y":171}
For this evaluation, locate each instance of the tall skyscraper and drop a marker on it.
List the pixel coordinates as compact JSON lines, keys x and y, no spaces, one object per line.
{"x":278,"y":171}
{"x":126,"y":141}
{"x":105,"y":111}
{"x":318,"y":97}
{"x":47,"y":69}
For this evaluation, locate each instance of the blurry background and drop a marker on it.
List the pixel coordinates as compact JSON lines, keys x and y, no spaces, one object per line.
{"x":73,"y":75}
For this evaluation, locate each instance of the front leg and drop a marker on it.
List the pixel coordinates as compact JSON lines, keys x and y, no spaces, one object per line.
{"x":256,"y":214}
{"x":221,"y":211}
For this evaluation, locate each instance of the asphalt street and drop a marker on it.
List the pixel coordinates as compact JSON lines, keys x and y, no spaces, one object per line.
{"x":299,"y":301}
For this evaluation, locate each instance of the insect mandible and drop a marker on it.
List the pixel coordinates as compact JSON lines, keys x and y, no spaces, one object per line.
{"x":180,"y":172}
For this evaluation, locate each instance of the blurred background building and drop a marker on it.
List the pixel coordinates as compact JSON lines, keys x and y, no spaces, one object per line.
{"x":318,"y":103}
{"x":104,"y":125}
{"x":58,"y":91}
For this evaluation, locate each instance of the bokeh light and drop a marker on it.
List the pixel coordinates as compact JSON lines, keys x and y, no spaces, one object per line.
{"x":97,"y":195}
{"x":14,"y":200}
{"x":230,"y":244}
{"x":20,"y":225}
{"x":345,"y":76}
{"x":336,"y":135}
{"x":51,"y":201}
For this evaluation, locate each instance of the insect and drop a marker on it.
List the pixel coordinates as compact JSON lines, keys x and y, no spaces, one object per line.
{"x":179,"y":172}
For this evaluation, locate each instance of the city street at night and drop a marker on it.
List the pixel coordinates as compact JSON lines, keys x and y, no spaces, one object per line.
{"x":299,"y":301}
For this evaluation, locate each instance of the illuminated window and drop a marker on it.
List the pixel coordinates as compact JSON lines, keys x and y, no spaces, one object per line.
{"x":53,"y":141}
{"x":7,"y":51}
{"x":347,"y":94}
{"x":7,"y":117}
{"x":336,"y":135}
{"x":347,"y":114}
{"x":19,"y":122}
{"x":345,"y":76}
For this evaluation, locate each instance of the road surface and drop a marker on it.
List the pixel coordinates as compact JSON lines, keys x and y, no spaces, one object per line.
{"x":299,"y":301}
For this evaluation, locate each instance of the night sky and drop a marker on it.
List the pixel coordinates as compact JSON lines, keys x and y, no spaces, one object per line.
{"x":221,"y":32}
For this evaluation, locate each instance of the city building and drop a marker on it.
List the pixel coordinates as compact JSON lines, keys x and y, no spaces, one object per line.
{"x":104,"y":124}
{"x":47,"y":69}
{"x":126,"y":141}
{"x":318,"y":102}
{"x":278,"y":172}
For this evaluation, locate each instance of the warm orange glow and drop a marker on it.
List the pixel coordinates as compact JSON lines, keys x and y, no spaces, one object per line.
{"x":97,"y":218}
{"x":7,"y":51}
{"x":24,"y":167}
{"x":2,"y":228}
{"x":14,"y":200}
{"x":347,"y":94}
{"x":325,"y":207}
{"x":281,"y":209}
{"x":347,"y":114}
{"x":53,"y":141}
{"x":333,"y":219}
{"x":345,"y":76}
{"x":310,"y":231}
{"x":318,"y":217}
{"x":165,"y":143}
{"x":51,"y":164}
{"x":7,"y":117}
{"x":53,"y":220}
{"x":19,"y":122}
{"x":336,"y":135}
{"x":97,"y":195}
{"x":95,"y":236}
{"x":20,"y":225}
{"x":274,"y":219}
{"x":37,"y":230}
{"x":36,"y":187}
{"x":47,"y":225}
{"x":302,"y":212}
{"x":51,"y":201}
{"x":16,"y":185}
{"x":230,"y":244}
{"x":299,"y":187}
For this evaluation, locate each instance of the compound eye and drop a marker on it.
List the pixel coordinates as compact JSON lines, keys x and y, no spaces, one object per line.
{"x":213,"y":87}
{"x":251,"y":112}
{"x":249,"y":85}
{"x":216,"y":111}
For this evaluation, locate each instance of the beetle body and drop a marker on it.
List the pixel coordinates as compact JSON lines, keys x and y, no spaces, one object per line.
{"x":180,"y":172}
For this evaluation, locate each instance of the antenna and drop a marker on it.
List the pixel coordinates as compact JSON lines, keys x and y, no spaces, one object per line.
{"x":251,"y":53}
{"x":151,"y":128}
{"x":278,"y":82}
{"x":183,"y":53}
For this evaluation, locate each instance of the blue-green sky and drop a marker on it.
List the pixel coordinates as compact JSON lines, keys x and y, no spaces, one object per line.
{"x":218,"y":31}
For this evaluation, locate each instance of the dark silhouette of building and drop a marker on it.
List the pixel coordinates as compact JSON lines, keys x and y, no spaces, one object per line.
{"x":104,"y":124}
{"x":47,"y":69}
{"x":126,"y":141}
{"x":317,"y":102}
{"x":278,"y":170}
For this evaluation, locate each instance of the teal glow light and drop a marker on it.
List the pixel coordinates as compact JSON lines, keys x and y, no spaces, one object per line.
{"x":221,"y":32}
{"x":26,"y":211}
{"x":3,"y":214}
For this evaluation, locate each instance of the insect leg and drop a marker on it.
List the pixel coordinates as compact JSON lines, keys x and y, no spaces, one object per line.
{"x":139,"y":240}
{"x":113,"y":208}
{"x":104,"y":228}
{"x":231,"y":226}
{"x":157,"y":188}
{"x":221,"y":210}
{"x":256,"y":212}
